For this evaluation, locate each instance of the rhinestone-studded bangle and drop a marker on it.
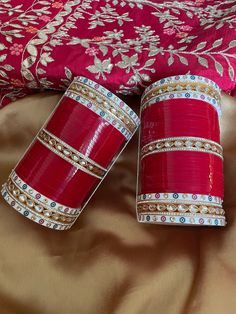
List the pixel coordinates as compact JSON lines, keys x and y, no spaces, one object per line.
{"x":71,"y":155}
{"x":182,"y":143}
{"x":36,"y":210}
{"x":202,"y":88}
{"x":183,"y":87}
{"x":184,"y":219}
{"x":182,"y":79}
{"x":180,"y":114}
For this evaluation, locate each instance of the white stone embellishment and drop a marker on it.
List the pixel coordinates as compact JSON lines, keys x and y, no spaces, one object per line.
{"x":161,"y":207}
{"x":182,"y":208}
{"x":59,"y":147}
{"x":71,"y":155}
{"x":30,"y":203}
{"x":22,"y":198}
{"x":38,"y":208}
{"x":159,"y":145}
{"x":47,"y":213}
{"x":66,"y":152}
{"x":198,"y":144}
{"x":178,"y":143}
{"x":203,"y":209}
{"x":193,"y":209}
{"x":182,"y":143}
{"x":16,"y":192}
{"x":171,"y":208}
{"x":152,"y":207}
{"x":189,"y":144}
{"x":173,"y":88}
{"x":207,"y":146}
{"x":75,"y":158}
{"x":168,"y":144}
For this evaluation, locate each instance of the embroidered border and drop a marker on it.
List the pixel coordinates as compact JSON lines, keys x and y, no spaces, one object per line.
{"x":182,"y":143}
{"x":70,"y":154}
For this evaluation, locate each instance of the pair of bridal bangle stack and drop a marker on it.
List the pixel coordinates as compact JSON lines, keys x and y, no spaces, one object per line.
{"x":180,"y":175}
{"x":71,"y":155}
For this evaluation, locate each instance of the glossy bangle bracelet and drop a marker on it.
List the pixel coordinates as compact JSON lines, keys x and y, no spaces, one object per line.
{"x":70,"y":155}
{"x":180,"y":175}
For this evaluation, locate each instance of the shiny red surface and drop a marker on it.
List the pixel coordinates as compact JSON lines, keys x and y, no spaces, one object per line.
{"x":182,"y":172}
{"x":54,"y":177}
{"x":85,"y":131}
{"x":179,"y":117}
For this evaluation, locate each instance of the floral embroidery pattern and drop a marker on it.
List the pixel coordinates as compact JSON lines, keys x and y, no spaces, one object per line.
{"x":49,"y":42}
{"x":16,"y":49}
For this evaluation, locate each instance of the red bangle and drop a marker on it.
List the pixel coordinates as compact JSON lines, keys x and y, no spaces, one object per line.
{"x":71,"y":155}
{"x":180,"y":157}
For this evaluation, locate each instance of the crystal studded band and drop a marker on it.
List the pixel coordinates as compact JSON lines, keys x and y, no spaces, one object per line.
{"x":187,"y":220}
{"x":100,"y":112}
{"x":90,"y":96}
{"x":182,"y":143}
{"x":71,"y":155}
{"x":183,"y":95}
{"x":177,"y":87}
{"x":105,"y":104}
{"x":181,"y":198}
{"x":36,"y":206}
{"x":102,"y":102}
{"x":180,"y":208}
{"x":184,"y":79}
{"x":174,"y":207}
{"x":42,"y":199}
{"x":183,"y":86}
{"x":116,"y":102}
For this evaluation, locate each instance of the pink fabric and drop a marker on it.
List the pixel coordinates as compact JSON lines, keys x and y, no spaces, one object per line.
{"x":124,"y":45}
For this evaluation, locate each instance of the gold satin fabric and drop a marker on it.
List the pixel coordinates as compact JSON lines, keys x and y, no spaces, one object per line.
{"x":109,"y":263}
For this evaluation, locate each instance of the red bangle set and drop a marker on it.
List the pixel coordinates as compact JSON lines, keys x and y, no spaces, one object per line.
{"x":180,"y":161}
{"x":180,"y":175}
{"x":71,"y":155}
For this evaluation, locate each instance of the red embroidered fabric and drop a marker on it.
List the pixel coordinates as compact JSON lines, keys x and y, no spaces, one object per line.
{"x":124,"y":45}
